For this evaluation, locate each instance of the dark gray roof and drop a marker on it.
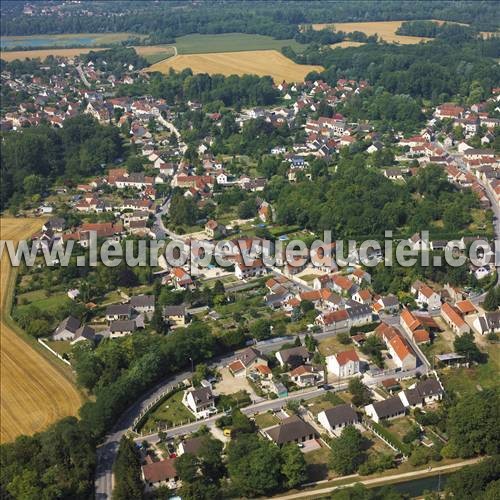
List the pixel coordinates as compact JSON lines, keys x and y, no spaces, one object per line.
{"x":341,"y":414}
{"x":413,"y":396}
{"x":142,"y":301}
{"x":359,"y":310}
{"x":294,"y":354}
{"x":390,"y":300}
{"x":122,"y":325}
{"x":389,"y":407}
{"x":202,"y":395}
{"x":174,"y":311}
{"x":86,"y":332}
{"x":118,"y":309}
{"x":291,"y":429}
{"x":248,"y":355}
{"x":70,"y":323}
{"x":429,"y":387}
{"x":493,"y":320}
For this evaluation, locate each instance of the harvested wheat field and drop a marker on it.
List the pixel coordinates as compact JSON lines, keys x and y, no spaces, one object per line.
{"x":384,"y":29}
{"x":255,"y":62}
{"x":33,"y":392}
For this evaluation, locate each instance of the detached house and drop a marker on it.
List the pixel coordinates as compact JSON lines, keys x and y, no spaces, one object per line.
{"x":424,"y":295}
{"x":118,"y":312}
{"x":71,"y":329}
{"x":424,"y":392}
{"x":162,"y":473}
{"x":246,"y":361}
{"x":201,"y":401}
{"x":488,"y":323}
{"x":293,"y":357}
{"x":304,"y":375}
{"x":343,"y":364}
{"x":388,"y":409}
{"x":336,"y":419}
{"x":291,"y":430}
{"x":175,"y":316}
{"x":143,"y":304}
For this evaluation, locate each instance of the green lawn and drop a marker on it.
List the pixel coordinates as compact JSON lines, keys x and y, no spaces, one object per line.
{"x":50,"y":304}
{"x":317,"y":464}
{"x":327,"y":400}
{"x":170,"y":412}
{"x":267,"y":419}
{"x":400,"y":426}
{"x":231,"y":42}
{"x":60,"y":346}
{"x":462,"y":380}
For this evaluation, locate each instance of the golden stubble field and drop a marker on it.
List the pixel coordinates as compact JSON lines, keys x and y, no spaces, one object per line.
{"x":256,"y":62}
{"x":33,"y":392}
{"x":384,"y":29}
{"x":143,"y":50}
{"x":43,"y":53}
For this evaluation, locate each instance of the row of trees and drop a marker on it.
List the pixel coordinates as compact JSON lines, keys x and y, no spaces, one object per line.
{"x":163,"y":22}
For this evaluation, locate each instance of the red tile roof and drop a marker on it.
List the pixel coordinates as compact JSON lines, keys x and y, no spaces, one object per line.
{"x":346,"y":356}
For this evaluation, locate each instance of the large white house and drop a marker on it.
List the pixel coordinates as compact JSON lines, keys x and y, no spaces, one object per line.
{"x":343,"y":364}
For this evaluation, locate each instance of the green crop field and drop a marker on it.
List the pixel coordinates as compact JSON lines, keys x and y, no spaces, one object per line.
{"x":231,"y":42}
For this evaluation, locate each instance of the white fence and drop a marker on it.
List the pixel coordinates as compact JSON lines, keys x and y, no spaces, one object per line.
{"x":40,"y":341}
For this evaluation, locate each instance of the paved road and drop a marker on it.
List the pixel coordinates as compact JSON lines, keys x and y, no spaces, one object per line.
{"x":83,"y":78}
{"x":380,"y":480}
{"x":272,"y":404}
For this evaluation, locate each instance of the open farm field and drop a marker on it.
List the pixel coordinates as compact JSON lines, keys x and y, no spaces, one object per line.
{"x":44,"y":53}
{"x":231,"y":42}
{"x":84,"y":39}
{"x":257,"y":62}
{"x":384,"y":29}
{"x":34,"y":392}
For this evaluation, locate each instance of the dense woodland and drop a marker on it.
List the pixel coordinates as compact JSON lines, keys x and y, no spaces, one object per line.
{"x":33,"y":159}
{"x":163,"y":21}
{"x":357,"y":202}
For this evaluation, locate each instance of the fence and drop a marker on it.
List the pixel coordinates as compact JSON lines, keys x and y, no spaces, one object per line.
{"x":153,"y":404}
{"x":40,"y":341}
{"x":387,"y":438}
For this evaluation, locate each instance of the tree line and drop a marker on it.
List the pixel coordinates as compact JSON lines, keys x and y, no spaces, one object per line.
{"x":162,"y":22}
